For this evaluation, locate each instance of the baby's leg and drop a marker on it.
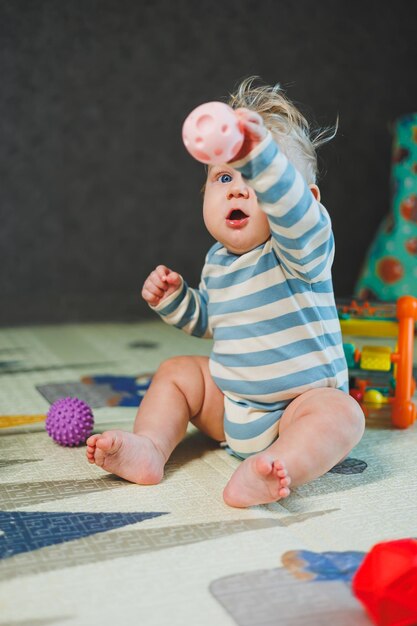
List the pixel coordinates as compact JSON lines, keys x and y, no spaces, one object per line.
{"x":181,"y":390}
{"x":316,"y":431}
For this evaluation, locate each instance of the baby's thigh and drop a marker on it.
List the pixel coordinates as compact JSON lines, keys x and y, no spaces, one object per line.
{"x":204,"y":402}
{"x":326,"y":405}
{"x":205,"y":399}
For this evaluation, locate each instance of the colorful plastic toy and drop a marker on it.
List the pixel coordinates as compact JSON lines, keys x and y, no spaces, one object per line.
{"x":389,"y":267}
{"x":69,"y":421}
{"x":383,"y":320}
{"x":211,"y":133}
{"x":386,"y":583}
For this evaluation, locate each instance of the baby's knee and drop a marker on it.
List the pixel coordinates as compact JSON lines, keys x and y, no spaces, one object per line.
{"x":184,"y":371}
{"x":356,"y":417}
{"x":337,"y":407}
{"x":174,"y":366}
{"x":348,"y":410}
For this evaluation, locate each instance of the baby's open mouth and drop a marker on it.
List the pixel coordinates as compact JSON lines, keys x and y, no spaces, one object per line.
{"x":237,"y":217}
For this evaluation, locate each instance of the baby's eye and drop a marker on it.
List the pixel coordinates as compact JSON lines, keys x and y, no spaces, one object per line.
{"x":224,"y":178}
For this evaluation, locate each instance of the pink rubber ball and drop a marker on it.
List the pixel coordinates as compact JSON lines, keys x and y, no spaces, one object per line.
{"x":211,"y":133}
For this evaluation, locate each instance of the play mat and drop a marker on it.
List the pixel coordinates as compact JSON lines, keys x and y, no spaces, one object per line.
{"x":79,"y":546}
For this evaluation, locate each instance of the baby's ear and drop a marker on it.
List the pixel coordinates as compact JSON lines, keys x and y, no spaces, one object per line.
{"x":315,"y":191}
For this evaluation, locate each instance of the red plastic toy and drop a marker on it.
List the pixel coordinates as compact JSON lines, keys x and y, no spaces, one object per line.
{"x":386,"y":583}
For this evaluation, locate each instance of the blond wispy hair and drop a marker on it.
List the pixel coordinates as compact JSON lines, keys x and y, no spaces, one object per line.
{"x":290,"y":129}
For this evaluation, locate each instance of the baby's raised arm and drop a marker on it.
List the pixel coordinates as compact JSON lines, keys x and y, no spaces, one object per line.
{"x":160,"y":284}
{"x":254,"y":131}
{"x":300,"y":225}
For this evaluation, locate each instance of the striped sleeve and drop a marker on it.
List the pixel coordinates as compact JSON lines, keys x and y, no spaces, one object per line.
{"x":187,"y":309}
{"x":300,"y":226}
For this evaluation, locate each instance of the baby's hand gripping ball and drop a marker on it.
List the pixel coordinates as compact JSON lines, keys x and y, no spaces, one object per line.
{"x":69,"y":422}
{"x":211,"y":133}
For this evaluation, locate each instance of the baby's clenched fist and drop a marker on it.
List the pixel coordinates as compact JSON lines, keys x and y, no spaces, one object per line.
{"x":160,"y":284}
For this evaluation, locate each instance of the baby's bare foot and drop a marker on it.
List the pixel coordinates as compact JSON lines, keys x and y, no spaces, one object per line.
{"x":133,"y":457}
{"x":258,"y":480}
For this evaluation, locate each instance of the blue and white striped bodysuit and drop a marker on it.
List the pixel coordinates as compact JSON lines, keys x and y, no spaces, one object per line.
{"x":270,"y":311}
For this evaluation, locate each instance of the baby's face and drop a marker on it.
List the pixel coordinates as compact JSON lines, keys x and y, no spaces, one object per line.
{"x":231,"y":211}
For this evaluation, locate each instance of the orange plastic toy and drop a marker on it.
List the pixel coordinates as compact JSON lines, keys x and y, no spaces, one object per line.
{"x":403,"y":409}
{"x":372,"y":321}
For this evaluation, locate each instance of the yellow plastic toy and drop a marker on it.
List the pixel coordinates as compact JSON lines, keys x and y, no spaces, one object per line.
{"x":375,"y":397}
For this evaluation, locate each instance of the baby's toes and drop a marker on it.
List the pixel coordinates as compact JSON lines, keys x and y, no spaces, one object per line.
{"x":284,"y":492}
{"x":91,"y":441}
{"x":281,"y":474}
{"x":99,"y":458}
{"x":280,"y":470}
{"x":283,"y":478}
{"x":90,"y":452}
{"x":285,"y":482}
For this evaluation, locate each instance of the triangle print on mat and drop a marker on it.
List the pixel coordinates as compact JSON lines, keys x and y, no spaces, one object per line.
{"x":28,"y":531}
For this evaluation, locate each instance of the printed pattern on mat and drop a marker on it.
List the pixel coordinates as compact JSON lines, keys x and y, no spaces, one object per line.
{"x":28,"y":531}
{"x":18,"y":494}
{"x":100,"y":391}
{"x":310,"y":589}
{"x":102,"y":546}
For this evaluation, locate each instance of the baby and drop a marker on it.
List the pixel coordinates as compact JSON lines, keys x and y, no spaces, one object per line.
{"x":275,"y":386}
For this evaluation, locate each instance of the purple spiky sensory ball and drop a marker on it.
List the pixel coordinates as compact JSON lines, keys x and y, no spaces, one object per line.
{"x":69,"y":422}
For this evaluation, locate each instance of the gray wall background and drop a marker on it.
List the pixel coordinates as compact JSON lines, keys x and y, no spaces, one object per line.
{"x":96,"y":187}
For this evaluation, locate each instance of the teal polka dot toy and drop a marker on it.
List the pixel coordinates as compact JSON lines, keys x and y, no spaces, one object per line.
{"x":390,"y":268}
